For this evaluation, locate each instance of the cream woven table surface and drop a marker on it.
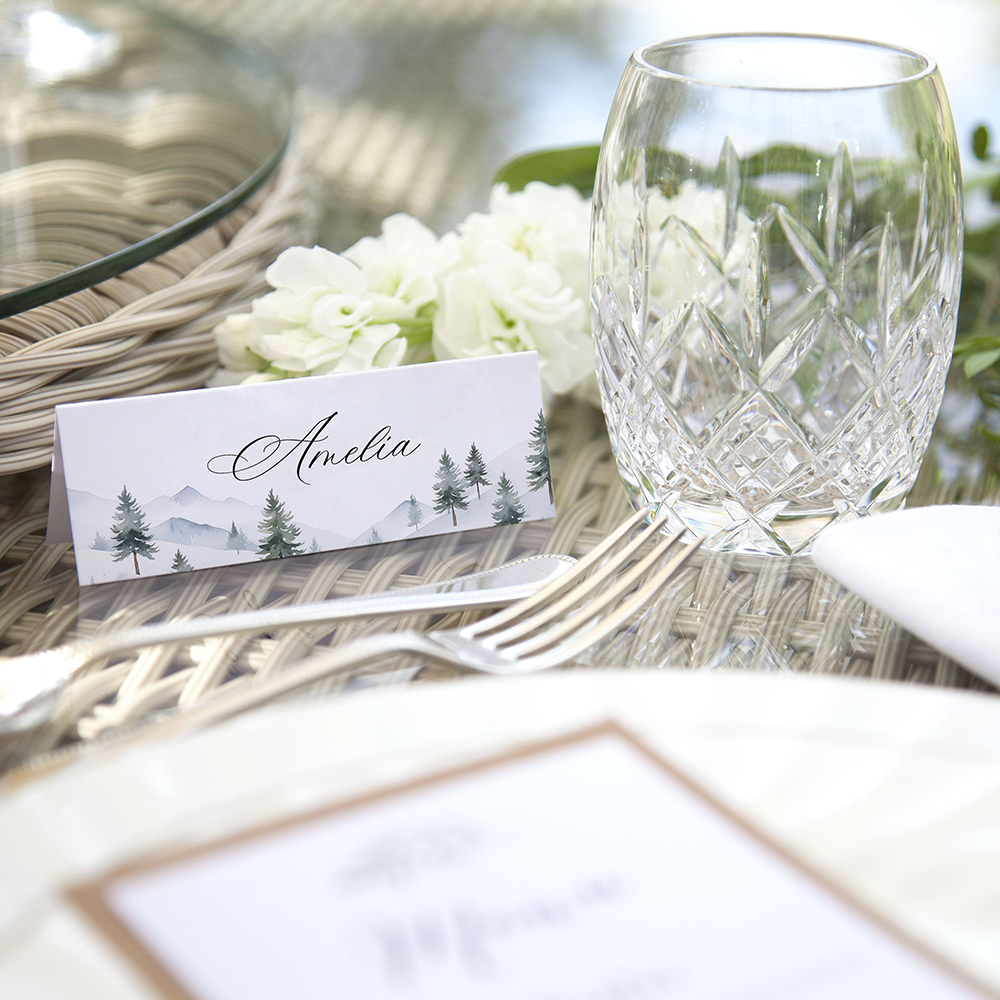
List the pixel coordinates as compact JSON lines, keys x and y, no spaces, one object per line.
{"x":724,"y":611}
{"x":377,"y":151}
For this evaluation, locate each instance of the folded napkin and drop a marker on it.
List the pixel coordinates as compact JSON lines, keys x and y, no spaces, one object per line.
{"x":935,"y":570}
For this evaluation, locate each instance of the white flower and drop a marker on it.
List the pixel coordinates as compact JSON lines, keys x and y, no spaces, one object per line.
{"x":401,"y":266}
{"x":522,"y":284}
{"x":504,"y":302}
{"x":317,"y":320}
{"x":514,"y":279}
{"x":543,"y":222}
{"x":687,"y":244}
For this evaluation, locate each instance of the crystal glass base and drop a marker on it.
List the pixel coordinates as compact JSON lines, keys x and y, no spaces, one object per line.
{"x":763,"y":468}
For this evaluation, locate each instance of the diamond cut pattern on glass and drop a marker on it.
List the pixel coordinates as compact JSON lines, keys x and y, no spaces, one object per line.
{"x":699,"y":372}
{"x":756,"y":453}
{"x":788,"y":366}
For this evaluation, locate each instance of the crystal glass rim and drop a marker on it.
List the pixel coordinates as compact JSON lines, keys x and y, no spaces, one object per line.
{"x":640,"y":60}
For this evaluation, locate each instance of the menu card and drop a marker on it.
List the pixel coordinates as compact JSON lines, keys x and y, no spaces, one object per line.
{"x":586,"y":869}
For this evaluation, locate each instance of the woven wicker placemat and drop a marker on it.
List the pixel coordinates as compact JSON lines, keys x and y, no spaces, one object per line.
{"x":148,"y":329}
{"x":724,"y":610}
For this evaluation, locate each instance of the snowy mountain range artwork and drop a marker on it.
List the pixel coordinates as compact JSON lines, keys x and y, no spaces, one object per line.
{"x":190,"y":480}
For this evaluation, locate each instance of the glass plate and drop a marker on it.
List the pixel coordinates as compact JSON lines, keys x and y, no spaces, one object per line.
{"x":122,"y":135}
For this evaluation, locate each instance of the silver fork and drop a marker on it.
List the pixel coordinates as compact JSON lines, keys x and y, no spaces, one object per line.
{"x":534,"y":634}
{"x":30,"y":683}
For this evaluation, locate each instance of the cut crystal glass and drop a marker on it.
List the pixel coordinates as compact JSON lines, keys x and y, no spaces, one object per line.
{"x":775,"y":281}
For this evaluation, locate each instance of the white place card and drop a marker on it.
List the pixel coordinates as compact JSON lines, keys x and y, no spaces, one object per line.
{"x":158,"y":484}
{"x":588,"y":869}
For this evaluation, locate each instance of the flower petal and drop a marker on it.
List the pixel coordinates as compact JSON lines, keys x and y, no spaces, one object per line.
{"x":301,"y":269}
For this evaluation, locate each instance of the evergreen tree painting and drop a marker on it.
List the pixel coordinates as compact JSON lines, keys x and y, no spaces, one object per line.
{"x":448,"y":492}
{"x":507,"y":507}
{"x":130,"y":533}
{"x":414,"y":515}
{"x":101,"y":544}
{"x":180,"y":563}
{"x":539,"y":474}
{"x":475,"y":470}
{"x":374,"y":538}
{"x":277,"y":532}
{"x":314,"y":545}
{"x":237,"y":539}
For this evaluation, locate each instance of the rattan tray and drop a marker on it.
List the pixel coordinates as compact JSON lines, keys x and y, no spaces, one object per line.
{"x":146,"y":330}
{"x":724,"y":611}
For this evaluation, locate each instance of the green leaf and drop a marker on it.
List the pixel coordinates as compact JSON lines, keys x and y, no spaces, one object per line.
{"x":780,"y":159}
{"x":981,"y":267}
{"x":576,"y":165}
{"x":983,"y":241}
{"x":981,"y":142}
{"x":975,"y":363}
{"x":984,"y":339}
{"x":990,"y":436}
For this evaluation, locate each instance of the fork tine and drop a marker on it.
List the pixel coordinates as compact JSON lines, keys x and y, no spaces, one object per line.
{"x":606,"y":625}
{"x":557,"y":586}
{"x":587,"y":586}
{"x":585,"y":613}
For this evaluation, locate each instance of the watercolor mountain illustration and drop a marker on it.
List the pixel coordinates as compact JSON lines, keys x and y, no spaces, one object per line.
{"x":189,"y":530}
{"x":189,"y":522}
{"x":479,"y":513}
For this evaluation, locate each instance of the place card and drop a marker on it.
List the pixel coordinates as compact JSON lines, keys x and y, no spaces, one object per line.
{"x":177,"y":481}
{"x":585,"y":869}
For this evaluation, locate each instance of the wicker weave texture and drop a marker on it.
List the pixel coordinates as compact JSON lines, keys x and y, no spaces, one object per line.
{"x":724,"y":611}
{"x":147,"y":330}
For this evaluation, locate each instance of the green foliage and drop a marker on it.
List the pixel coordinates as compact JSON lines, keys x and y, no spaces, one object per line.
{"x":576,"y":166}
{"x":981,"y":143}
{"x":374,"y":538}
{"x":180,"y":563}
{"x":130,"y":532}
{"x":539,"y":472}
{"x":507,"y":508}
{"x":448,"y":492}
{"x":278,"y":533}
{"x":977,"y":346}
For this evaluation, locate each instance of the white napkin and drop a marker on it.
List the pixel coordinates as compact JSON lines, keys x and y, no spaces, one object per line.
{"x":935,"y":570}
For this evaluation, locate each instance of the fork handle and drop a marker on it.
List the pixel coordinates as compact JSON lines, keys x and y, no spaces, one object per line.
{"x":235,"y":697}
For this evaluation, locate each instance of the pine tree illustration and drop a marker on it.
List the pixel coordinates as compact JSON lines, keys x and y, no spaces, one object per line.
{"x":101,"y":543}
{"x":130,"y":531}
{"x":414,"y":515}
{"x":374,"y":538}
{"x":180,"y":564}
{"x":314,"y":545}
{"x":237,"y":539}
{"x":448,"y":491}
{"x":539,"y":473}
{"x":507,"y":507}
{"x":475,"y":470}
{"x":277,"y":532}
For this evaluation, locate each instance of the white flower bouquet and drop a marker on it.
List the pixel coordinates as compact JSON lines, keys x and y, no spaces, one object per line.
{"x":512,"y":279}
